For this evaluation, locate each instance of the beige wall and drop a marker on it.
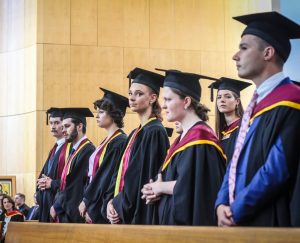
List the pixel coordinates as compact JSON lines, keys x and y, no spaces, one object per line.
{"x":58,"y":52}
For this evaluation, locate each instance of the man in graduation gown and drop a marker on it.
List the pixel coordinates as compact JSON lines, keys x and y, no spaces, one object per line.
{"x":75,"y":173}
{"x":49,"y":179}
{"x":262,"y":182}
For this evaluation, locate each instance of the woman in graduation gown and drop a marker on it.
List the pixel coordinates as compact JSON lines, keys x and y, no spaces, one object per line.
{"x":192,"y":173}
{"x":105,"y":160}
{"x":9,"y":214}
{"x":144,"y":153}
{"x":229,"y":111}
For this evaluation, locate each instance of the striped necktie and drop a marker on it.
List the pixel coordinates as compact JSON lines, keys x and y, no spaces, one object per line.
{"x":239,"y":145}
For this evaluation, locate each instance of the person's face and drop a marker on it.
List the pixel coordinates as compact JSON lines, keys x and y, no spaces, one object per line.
{"x":104,"y":120}
{"x":18,"y":200}
{"x":226,"y":102}
{"x":70,"y":131}
{"x":178,"y":127}
{"x":173,"y":105}
{"x":56,"y":127}
{"x":140,"y":98}
{"x":250,"y":58}
{"x":7,"y":204}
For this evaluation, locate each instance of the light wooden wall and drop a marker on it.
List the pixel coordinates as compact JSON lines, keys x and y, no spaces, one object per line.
{"x":58,"y":52}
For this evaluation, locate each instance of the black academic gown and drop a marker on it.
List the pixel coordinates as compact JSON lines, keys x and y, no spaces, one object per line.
{"x":229,"y":137}
{"x":45,"y":198}
{"x":267,"y":191}
{"x":198,"y":171}
{"x":93,"y":195}
{"x":67,"y":201}
{"x":24,"y":209}
{"x":147,"y":155}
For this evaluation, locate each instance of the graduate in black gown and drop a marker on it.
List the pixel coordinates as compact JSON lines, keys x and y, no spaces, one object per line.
{"x":75,"y":173}
{"x":229,"y":111}
{"x":144,"y":153}
{"x":264,"y":190}
{"x":49,"y":179}
{"x":192,"y":173}
{"x":106,"y":158}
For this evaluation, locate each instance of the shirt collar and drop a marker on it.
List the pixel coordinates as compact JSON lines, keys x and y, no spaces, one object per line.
{"x":60,"y":142}
{"x":268,"y":85}
{"x":75,"y":146}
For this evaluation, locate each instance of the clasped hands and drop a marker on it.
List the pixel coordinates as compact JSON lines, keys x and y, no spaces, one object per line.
{"x":44,"y":182}
{"x":152,"y":190}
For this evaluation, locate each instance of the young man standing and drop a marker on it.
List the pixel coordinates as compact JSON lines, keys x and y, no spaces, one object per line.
{"x":75,"y":173}
{"x":49,"y":179}
{"x":261,"y":185}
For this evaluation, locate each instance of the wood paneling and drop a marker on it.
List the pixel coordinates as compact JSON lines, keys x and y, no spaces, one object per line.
{"x":136,"y":23}
{"x":187,"y":24}
{"x":56,"y":76}
{"x":162,"y":28}
{"x":53,"y":21}
{"x":111,"y":22}
{"x":84,"y":22}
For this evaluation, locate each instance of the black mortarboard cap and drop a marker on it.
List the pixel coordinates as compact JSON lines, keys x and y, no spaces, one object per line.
{"x":53,"y":112}
{"x":272,"y":27}
{"x":229,"y":84}
{"x":169,"y":131}
{"x":148,"y":78}
{"x":77,"y":113}
{"x":120,"y":102}
{"x":188,"y":83}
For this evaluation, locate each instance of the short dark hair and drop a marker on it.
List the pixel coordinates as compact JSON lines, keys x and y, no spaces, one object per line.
{"x":77,"y":122}
{"x":21,"y":195}
{"x":115,"y":114}
{"x":262,"y":44}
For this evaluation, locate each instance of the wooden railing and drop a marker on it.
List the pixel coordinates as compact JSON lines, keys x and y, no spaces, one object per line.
{"x":64,"y":233}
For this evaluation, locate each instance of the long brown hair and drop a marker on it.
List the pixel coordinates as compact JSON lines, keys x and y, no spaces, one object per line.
{"x":156,"y":108}
{"x":220,"y":117}
{"x":200,"y":109}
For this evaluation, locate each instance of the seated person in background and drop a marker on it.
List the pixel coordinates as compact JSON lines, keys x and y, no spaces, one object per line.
{"x":34,"y":210}
{"x":9,"y":214}
{"x":20,"y":204}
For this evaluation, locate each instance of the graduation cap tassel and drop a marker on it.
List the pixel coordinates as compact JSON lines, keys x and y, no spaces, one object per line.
{"x":211,"y":94}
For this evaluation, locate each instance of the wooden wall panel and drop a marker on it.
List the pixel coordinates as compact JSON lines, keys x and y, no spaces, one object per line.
{"x":136,"y":23}
{"x":135,"y":57}
{"x":211,"y":25}
{"x":53,"y":21}
{"x":161,"y":58}
{"x":111,"y":22}
{"x":162,"y":28}
{"x":111,"y":61}
{"x":84,"y":18}
{"x":187,"y":27}
{"x":84,"y":75}
{"x":56,"y":76}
